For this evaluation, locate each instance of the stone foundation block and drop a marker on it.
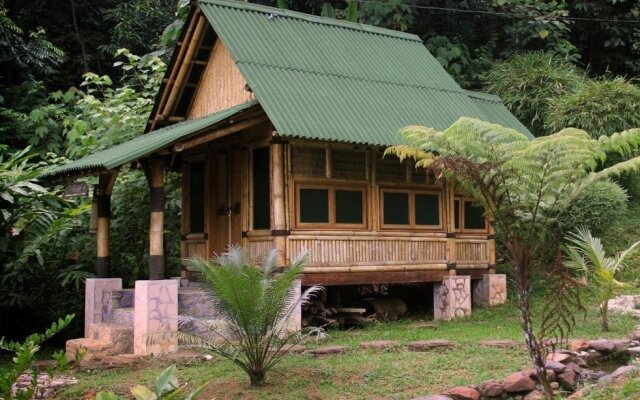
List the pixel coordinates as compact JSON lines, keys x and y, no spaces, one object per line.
{"x":120,"y":337}
{"x":94,"y":306}
{"x":490,"y":291}
{"x":156,"y":310}
{"x":452,"y":297}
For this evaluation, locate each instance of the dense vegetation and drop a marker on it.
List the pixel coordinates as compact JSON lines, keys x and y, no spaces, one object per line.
{"x":67,"y":90}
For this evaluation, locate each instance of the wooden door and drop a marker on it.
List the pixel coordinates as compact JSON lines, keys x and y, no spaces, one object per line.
{"x":226,"y":192}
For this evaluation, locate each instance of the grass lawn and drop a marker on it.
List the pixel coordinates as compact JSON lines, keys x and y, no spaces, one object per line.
{"x":391,"y":374}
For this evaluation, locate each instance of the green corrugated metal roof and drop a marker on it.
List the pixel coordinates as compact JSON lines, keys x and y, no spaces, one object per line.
{"x":320,"y":78}
{"x":143,"y":145}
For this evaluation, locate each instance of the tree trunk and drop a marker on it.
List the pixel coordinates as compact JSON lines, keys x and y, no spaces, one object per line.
{"x":256,"y":377}
{"x":521,"y":258}
{"x":604,"y":313}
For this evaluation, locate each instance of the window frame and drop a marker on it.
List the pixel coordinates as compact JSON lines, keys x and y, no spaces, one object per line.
{"x":331,"y":187}
{"x":412,"y":192}
{"x":187,"y":193}
{"x":462,"y":228}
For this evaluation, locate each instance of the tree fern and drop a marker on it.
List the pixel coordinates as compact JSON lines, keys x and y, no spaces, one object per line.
{"x":525,"y":186}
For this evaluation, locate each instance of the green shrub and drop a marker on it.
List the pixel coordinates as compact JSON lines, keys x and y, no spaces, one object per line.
{"x":598,"y":106}
{"x":528,"y":81}
{"x":597,"y":207}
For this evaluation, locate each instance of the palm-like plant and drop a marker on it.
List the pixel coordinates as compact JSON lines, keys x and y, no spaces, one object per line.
{"x":256,"y":303}
{"x":524,"y":186}
{"x":586,"y":256}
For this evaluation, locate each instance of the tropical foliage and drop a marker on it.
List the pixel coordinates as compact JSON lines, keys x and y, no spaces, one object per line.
{"x":258,"y":302}
{"x":524,"y":186}
{"x":166,"y":388}
{"x":23,"y":359}
{"x":586,"y":256}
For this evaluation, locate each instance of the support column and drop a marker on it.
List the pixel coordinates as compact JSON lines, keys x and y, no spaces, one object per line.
{"x":452,"y":297}
{"x":490,"y":291}
{"x":156,"y":225}
{"x":279,"y":229}
{"x":103,"y":233}
{"x":94,"y":305}
{"x":156,"y":311}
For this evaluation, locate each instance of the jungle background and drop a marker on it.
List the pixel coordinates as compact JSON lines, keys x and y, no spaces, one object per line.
{"x":78,"y":76}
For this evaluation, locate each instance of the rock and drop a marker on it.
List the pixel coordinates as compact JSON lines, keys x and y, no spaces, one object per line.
{"x":327,"y":350}
{"x":112,"y":362}
{"x":427,"y":345}
{"x":603,"y":345}
{"x":491,"y":389}
{"x":424,"y":325}
{"x":580,"y":362}
{"x":604,"y":381}
{"x":554,"y":385}
{"x":625,"y":304}
{"x":519,"y":382}
{"x":555,"y":366}
{"x":578,"y":394}
{"x":567,"y":379}
{"x":593,"y":357}
{"x":623,"y":371}
{"x":634,"y":351}
{"x":573,"y":367}
{"x":535,"y":395}
{"x":207,"y":357}
{"x":293,"y":349}
{"x":499,"y":343}
{"x":559,"y":357}
{"x":434,"y":397}
{"x":462,"y":393}
{"x":579,"y":345}
{"x":379,"y":344}
{"x":635,"y":335}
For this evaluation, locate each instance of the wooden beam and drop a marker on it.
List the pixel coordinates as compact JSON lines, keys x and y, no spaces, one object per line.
{"x":279,"y":222}
{"x":184,"y":66}
{"x":103,"y":233}
{"x":217,"y":134}
{"x":156,"y":225}
{"x":361,"y":278}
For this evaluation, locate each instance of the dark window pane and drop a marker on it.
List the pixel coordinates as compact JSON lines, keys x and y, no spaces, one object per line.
{"x":427,"y":209}
{"x":473,"y":216}
{"x":261,"y":189}
{"x":348,"y":207}
{"x":314,"y":205}
{"x":396,"y":208}
{"x":309,"y":161}
{"x":351,"y":165}
{"x":456,"y":213}
{"x":196,"y":200}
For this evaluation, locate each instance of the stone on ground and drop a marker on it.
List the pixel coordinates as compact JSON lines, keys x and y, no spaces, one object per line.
{"x":499,"y":343}
{"x":327,"y":350}
{"x":434,"y":397}
{"x":635,"y":335}
{"x":555,"y":366}
{"x":462,"y":393}
{"x":559,"y":357}
{"x":567,"y":379}
{"x":379,"y":344}
{"x":579,"y":345}
{"x":491,"y":389}
{"x":603,"y":345}
{"x":428,"y":345}
{"x":519,"y":382}
{"x":535,"y":395}
{"x":634,"y":351}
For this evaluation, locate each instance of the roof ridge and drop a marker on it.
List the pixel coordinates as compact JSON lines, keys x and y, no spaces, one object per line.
{"x":484,"y":96}
{"x":314,"y":19}
{"x":335,"y":74}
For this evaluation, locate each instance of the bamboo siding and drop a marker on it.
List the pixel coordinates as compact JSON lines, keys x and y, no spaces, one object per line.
{"x":221,"y":86}
{"x":350,"y":250}
{"x":259,"y":247}
{"x":472,"y":251}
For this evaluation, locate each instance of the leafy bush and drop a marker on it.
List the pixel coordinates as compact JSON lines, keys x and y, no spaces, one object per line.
{"x":597,"y":207}
{"x":256,"y":303}
{"x":23,"y":361}
{"x":597,"y":106}
{"x":527,"y":82}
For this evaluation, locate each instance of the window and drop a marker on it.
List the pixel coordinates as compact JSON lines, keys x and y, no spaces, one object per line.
{"x":261,"y":188}
{"x":308,"y":161}
{"x":410,"y":209}
{"x":469,"y":216}
{"x":196,"y":197}
{"x":330,"y":206}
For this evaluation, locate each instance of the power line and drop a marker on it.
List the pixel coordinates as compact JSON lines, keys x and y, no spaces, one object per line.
{"x":503,"y":14}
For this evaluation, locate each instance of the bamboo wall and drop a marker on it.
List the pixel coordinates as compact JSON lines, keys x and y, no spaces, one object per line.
{"x":221,"y":86}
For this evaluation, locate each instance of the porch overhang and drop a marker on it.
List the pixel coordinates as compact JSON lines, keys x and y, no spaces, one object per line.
{"x":147,"y":144}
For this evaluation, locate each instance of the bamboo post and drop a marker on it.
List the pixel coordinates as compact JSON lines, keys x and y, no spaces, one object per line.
{"x":103,"y":234}
{"x":279,"y":228}
{"x":156,"y":225}
{"x":451,"y":226}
